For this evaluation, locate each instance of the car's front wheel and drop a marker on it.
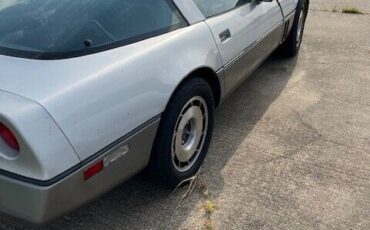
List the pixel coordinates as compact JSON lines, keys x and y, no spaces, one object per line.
{"x":184,"y":133}
{"x":292,"y":44}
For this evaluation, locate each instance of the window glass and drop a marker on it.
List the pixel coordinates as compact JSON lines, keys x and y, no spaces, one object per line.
{"x":213,"y":7}
{"x":53,"y":26}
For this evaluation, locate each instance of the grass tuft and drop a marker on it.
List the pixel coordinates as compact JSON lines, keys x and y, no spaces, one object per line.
{"x":209,"y":207}
{"x":351,"y":10}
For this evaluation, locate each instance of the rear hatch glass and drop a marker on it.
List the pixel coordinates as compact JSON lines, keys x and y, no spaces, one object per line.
{"x":54,"y":29}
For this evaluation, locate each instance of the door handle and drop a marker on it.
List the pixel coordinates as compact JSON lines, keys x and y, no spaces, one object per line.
{"x":225,"y":35}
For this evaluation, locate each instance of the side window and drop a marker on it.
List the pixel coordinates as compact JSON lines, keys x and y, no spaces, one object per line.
{"x":213,"y":7}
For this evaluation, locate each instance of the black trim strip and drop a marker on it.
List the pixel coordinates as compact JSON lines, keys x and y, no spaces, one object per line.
{"x":88,"y":51}
{"x":56,"y":179}
{"x":254,"y":44}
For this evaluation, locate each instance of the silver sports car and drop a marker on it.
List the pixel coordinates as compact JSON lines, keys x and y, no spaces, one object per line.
{"x":92,"y":92}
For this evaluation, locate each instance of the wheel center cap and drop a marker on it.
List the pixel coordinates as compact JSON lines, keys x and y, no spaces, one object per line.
{"x":186,"y":133}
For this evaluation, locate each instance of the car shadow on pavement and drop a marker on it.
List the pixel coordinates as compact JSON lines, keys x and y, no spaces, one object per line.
{"x":141,"y":203}
{"x":239,"y":115}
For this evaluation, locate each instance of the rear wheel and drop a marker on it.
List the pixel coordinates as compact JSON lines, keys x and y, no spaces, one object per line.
{"x":184,"y":133}
{"x":292,"y":44}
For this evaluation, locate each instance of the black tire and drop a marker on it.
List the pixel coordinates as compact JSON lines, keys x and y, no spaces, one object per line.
{"x":291,"y":46}
{"x":162,"y":162}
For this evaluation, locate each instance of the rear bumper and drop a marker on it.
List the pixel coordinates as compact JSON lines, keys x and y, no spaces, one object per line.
{"x":43,"y":203}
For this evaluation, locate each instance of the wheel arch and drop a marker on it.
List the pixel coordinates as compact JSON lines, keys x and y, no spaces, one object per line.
{"x":207,"y":74}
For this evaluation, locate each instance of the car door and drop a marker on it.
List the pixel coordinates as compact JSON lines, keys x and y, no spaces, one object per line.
{"x":242,"y":30}
{"x":288,"y":6}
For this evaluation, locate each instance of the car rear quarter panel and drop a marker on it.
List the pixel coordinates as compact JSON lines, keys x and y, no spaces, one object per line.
{"x":97,"y":99}
{"x":44,"y":150}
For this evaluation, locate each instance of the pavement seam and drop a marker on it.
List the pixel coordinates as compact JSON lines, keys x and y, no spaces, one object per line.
{"x":329,"y":11}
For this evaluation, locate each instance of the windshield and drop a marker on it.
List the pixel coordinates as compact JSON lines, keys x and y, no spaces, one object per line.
{"x":58,"y":28}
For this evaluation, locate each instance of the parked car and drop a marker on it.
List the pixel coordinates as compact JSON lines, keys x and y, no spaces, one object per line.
{"x":92,"y":92}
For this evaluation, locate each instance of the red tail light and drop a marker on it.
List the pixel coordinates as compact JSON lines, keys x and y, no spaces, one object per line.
{"x":8,"y":137}
{"x":93,"y":170}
